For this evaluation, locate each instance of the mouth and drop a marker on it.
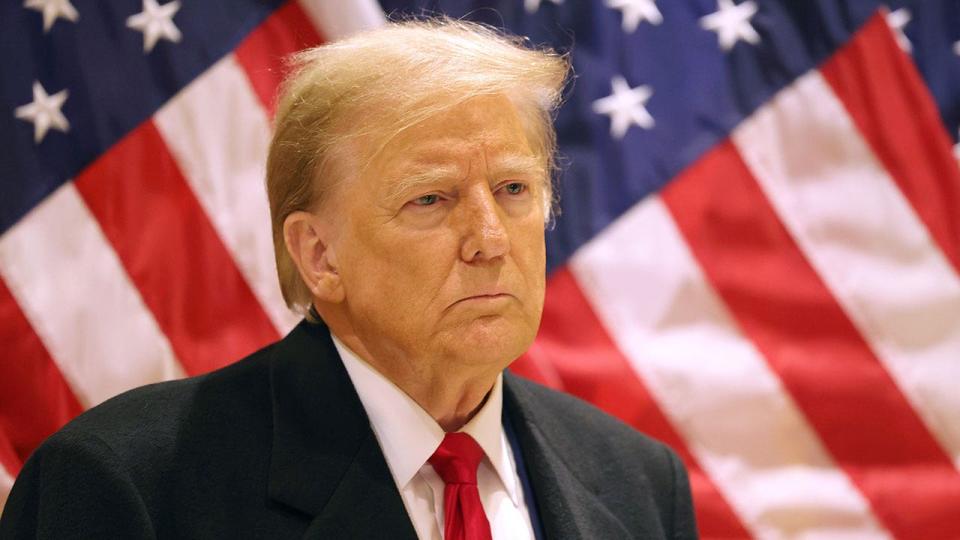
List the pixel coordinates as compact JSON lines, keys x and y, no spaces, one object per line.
{"x":492,"y":298}
{"x":489,"y":296}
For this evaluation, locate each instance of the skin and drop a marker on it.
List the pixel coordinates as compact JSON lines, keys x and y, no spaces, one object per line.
{"x":430,"y":263}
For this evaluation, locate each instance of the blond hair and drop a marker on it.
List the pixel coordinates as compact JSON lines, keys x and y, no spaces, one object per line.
{"x":378,"y":83}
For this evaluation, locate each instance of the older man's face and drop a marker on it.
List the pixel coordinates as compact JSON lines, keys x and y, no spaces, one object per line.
{"x":441,"y":247}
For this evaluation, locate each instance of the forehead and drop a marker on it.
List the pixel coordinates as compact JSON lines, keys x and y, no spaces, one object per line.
{"x":485,"y":126}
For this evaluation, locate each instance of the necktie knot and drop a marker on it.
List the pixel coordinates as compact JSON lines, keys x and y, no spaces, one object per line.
{"x":456,"y":461}
{"x":457,"y":458}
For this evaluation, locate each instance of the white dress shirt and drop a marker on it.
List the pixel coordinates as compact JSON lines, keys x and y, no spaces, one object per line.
{"x":408,"y":436}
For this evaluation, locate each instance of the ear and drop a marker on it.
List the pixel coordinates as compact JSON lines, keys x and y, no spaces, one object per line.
{"x":307,"y":238}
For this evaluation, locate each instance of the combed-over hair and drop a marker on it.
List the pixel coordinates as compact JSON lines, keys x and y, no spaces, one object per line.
{"x":376,"y":84}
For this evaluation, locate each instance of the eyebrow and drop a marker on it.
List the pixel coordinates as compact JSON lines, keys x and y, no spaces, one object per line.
{"x":518,"y":164}
{"x":502,"y":166}
{"x":427,"y":176}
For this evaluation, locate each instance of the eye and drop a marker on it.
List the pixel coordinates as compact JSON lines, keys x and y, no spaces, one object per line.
{"x":515,"y":188}
{"x":426,"y":200}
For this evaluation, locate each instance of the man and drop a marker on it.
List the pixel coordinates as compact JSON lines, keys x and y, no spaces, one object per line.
{"x":409,"y":188}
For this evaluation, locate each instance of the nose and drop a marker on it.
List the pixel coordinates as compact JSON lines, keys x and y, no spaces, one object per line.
{"x":484,"y":234}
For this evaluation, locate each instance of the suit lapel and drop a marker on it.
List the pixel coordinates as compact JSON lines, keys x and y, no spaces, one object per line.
{"x":567,"y":504}
{"x":363,"y":505}
{"x":325,"y":461}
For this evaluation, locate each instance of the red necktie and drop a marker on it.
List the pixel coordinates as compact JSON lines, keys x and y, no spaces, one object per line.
{"x":456,"y":461}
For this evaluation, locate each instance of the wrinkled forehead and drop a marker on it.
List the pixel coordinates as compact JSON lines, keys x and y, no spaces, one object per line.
{"x":486,"y":126}
{"x":441,"y":146}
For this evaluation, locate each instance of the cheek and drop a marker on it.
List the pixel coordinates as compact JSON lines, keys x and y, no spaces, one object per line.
{"x":402,"y":268}
{"x":530,"y":255}
{"x":529,"y":246}
{"x":366,"y":265}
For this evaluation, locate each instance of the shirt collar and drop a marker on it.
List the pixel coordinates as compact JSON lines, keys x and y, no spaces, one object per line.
{"x":408,"y":435}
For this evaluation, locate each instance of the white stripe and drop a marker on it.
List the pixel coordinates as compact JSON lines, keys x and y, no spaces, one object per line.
{"x":337,"y":19}
{"x":219,"y":134}
{"x":73,"y":290}
{"x":866,"y":242}
{"x":710,"y":381}
{"x":6,"y":483}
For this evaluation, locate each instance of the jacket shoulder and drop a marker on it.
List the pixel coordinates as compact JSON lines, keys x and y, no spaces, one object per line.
{"x":631,"y":473}
{"x":562,"y":416}
{"x":119,"y":465}
{"x":141,"y":418}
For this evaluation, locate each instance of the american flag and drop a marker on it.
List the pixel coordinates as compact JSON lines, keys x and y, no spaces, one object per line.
{"x":757,"y":259}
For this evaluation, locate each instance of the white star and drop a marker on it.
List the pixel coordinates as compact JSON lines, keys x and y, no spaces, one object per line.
{"x":52,"y":10}
{"x":626,"y":106}
{"x":956,"y":48}
{"x":731,"y":22}
{"x":956,"y":147}
{"x":44,"y":112}
{"x":533,"y":5}
{"x":897,"y":21}
{"x":156,"y":21}
{"x":635,"y":12}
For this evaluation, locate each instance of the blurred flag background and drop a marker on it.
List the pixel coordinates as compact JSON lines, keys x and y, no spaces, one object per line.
{"x":757,"y":258}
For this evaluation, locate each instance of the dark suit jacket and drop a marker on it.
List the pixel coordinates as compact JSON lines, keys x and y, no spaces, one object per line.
{"x":278,"y":446}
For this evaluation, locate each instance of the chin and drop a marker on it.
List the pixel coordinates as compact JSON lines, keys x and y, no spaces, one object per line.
{"x":492,"y":341}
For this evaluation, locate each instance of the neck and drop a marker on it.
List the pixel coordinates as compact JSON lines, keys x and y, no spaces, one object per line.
{"x":448,"y":391}
{"x":451,"y":404}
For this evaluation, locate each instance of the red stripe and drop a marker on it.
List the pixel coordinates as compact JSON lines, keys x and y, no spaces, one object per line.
{"x":784,"y":307}
{"x":893,"y":109}
{"x":9,"y":460}
{"x":36,"y":398}
{"x":173,"y":254}
{"x":262,"y":53}
{"x":587,"y":363}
